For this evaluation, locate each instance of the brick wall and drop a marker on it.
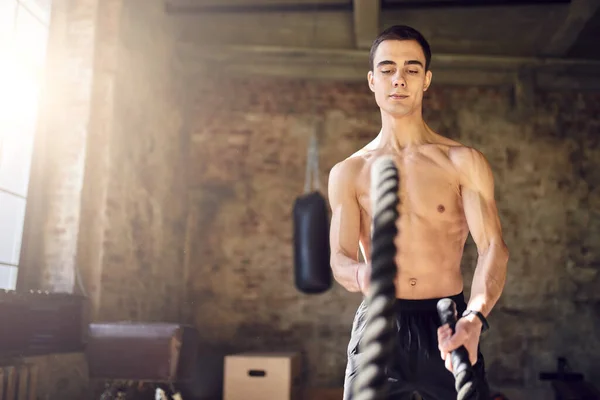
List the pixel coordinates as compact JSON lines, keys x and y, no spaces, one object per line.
{"x":113,"y":190}
{"x":247,"y":156}
{"x":109,"y":182}
{"x":146,"y":193}
{"x":54,"y":207}
{"x":108,"y":187}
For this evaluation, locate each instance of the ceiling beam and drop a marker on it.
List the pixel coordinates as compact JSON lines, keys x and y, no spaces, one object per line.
{"x":233,"y":6}
{"x":230,"y":53}
{"x":352,"y":65}
{"x":237,"y":3}
{"x":366,"y":22}
{"x":255,"y":6}
{"x":420,"y":4}
{"x":580,"y":12}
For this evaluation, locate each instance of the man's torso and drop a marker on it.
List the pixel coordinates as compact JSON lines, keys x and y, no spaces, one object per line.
{"x":432,"y":225}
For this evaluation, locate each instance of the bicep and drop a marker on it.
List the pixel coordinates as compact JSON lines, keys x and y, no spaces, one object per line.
{"x":345,"y":218}
{"x":479,"y":202}
{"x":482,"y":218}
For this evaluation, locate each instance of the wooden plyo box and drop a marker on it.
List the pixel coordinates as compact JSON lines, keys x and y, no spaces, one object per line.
{"x":261,"y":376}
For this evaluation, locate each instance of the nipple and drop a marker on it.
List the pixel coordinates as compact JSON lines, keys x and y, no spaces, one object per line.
{"x":441,"y":208}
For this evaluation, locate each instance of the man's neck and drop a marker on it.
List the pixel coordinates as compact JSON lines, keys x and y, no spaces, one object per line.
{"x":403,"y":132}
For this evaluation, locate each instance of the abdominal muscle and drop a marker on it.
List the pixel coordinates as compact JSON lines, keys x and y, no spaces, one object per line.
{"x":428,"y":261}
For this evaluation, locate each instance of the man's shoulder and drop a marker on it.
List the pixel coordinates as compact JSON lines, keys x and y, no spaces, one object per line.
{"x":473,"y":167}
{"x":347,"y":169}
{"x":344,"y":177}
{"x":457,"y":152}
{"x":465,"y":158}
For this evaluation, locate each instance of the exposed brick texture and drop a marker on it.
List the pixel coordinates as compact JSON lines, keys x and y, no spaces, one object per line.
{"x":60,"y":153}
{"x":132,"y":152}
{"x":90,"y":241}
{"x":142,"y":268}
{"x":110,"y":175}
{"x":248,"y":152}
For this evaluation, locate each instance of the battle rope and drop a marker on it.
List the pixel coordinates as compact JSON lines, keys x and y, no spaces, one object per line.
{"x":378,"y":339}
{"x":461,"y":367}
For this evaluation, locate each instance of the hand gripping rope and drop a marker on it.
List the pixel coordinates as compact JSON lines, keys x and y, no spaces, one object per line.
{"x":461,"y":366}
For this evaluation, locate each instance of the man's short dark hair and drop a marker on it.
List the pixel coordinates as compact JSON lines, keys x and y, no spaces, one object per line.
{"x":401,"y":32}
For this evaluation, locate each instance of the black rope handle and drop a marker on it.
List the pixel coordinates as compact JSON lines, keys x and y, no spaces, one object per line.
{"x":461,"y":366}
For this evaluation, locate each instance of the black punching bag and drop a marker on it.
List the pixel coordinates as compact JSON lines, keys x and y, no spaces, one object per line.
{"x":311,"y":244}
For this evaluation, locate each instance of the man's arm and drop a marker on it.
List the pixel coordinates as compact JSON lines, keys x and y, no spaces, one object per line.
{"x":345,"y":228}
{"x":484,"y":223}
{"x":477,"y":185}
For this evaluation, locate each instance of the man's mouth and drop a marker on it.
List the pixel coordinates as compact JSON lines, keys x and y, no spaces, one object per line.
{"x":398,"y":96}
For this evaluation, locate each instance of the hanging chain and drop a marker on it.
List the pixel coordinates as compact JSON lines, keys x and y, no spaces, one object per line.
{"x":312,"y":158}
{"x":312,"y":165}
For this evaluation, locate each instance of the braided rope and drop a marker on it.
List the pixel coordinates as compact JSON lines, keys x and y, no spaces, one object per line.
{"x":465,"y":386}
{"x":378,"y":339}
{"x":464,"y":377}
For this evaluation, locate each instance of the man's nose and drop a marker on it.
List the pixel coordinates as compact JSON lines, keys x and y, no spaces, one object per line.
{"x":399,"y":82}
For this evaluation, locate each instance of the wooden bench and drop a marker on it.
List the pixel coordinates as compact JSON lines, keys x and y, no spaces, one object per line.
{"x":158,"y":355}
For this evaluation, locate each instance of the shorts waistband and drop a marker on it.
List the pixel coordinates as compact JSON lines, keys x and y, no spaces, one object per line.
{"x":428,"y":304}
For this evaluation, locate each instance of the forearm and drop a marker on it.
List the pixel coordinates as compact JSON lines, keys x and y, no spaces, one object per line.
{"x":489,"y":278}
{"x":346,"y":272}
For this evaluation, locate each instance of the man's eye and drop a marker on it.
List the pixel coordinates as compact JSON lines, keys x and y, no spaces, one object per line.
{"x":413,"y":71}
{"x":386,"y":72}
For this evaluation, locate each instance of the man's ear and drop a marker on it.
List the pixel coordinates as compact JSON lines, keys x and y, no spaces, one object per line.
{"x":428,"y":76}
{"x":370,"y":80}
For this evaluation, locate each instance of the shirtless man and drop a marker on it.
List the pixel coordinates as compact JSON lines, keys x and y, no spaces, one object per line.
{"x":446,"y":191}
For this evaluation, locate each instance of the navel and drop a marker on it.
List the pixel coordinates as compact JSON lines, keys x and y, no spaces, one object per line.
{"x":413,"y":282}
{"x":441,"y":208}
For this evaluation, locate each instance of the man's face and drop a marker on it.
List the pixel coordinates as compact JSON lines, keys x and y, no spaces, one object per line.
{"x":398,"y":78}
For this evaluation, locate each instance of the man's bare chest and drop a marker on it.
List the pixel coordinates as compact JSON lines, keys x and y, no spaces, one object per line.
{"x":429,"y":188}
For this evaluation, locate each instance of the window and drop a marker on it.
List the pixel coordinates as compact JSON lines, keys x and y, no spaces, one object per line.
{"x":24,"y":28}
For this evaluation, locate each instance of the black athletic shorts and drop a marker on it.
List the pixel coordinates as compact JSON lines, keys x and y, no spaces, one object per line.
{"x":417,"y":366}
